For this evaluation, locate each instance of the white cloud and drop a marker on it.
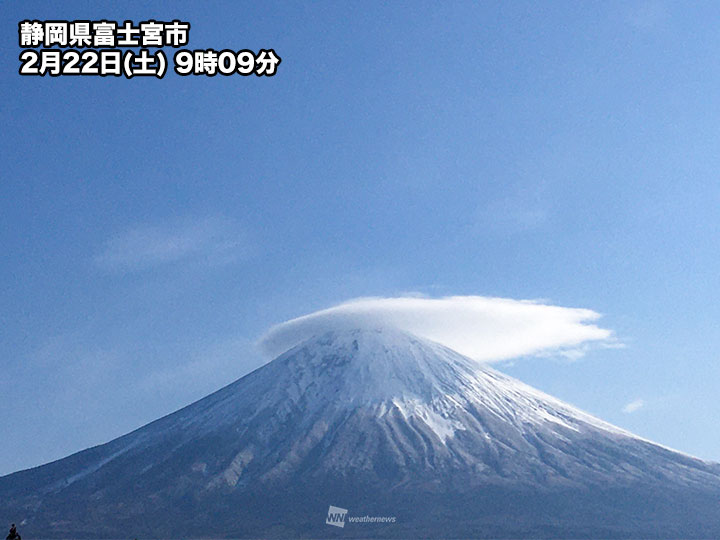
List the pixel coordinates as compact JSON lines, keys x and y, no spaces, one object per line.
{"x":633,"y":406}
{"x":486,"y":329}
{"x":213,"y":240}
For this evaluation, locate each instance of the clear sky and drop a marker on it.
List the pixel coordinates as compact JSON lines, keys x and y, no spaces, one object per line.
{"x":152,"y":230}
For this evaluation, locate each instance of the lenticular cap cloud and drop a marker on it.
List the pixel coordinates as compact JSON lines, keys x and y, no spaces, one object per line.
{"x":484,"y":328}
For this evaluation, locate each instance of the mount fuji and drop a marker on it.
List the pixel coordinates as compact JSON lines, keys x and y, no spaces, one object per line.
{"x":381,"y":423}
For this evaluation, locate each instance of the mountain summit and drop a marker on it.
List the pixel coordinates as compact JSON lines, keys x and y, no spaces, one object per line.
{"x":379,"y":422}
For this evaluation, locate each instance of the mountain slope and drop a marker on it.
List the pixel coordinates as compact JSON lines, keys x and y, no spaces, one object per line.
{"x":373,"y":419}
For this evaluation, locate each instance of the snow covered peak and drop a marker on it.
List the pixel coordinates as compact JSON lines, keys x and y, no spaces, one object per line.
{"x":349,"y":398}
{"x":388,"y":368}
{"x":364,"y":406}
{"x":372,"y":338}
{"x":372,"y":364}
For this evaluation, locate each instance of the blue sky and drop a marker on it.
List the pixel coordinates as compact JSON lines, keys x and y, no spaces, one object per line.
{"x":152,"y":230}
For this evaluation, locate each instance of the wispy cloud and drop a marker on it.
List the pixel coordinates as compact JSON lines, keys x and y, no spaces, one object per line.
{"x":510,"y":215}
{"x":633,"y":406}
{"x":518,"y":211}
{"x":647,"y":15}
{"x":214,"y":240}
{"x":483,"y":328}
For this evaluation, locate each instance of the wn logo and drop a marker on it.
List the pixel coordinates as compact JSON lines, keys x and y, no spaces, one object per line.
{"x":336,"y":516}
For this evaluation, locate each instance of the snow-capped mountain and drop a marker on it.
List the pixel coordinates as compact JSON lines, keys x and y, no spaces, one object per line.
{"x":382,"y":423}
